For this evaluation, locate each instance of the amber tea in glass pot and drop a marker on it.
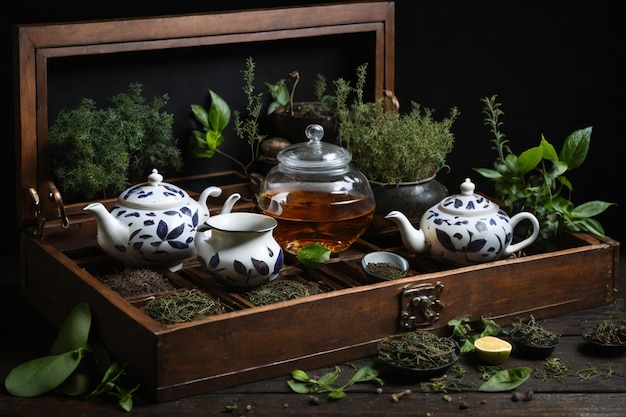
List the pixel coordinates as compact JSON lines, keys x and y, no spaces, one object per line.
{"x":316,"y":196}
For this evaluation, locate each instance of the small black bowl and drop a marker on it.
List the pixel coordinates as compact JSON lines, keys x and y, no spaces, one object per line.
{"x":595,"y":348}
{"x":526,"y":350}
{"x":401,"y":373}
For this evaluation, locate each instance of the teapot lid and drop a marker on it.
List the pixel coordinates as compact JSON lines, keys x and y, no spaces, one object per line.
{"x":154,"y":194}
{"x":314,"y":154}
{"x":467,"y":203}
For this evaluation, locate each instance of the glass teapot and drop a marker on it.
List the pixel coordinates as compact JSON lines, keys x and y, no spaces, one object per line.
{"x":316,"y":195}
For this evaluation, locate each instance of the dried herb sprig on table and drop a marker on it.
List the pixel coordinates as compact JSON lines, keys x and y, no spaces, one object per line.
{"x":417,"y":350}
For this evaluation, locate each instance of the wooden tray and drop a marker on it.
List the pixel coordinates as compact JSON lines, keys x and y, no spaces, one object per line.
{"x":59,"y":255}
{"x":343,"y":322}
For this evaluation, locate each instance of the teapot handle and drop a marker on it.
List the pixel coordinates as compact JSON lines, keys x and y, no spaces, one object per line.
{"x":511,"y":249}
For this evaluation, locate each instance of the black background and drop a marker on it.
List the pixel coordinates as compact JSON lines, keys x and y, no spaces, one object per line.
{"x":555,"y":66}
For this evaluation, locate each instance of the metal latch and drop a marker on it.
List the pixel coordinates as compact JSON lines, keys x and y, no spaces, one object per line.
{"x":420,"y":305}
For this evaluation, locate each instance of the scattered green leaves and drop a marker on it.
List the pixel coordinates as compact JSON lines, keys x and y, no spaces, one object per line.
{"x":506,"y":379}
{"x":466,"y":334}
{"x":314,"y":255}
{"x":65,"y":369}
{"x":302,"y":383}
{"x":535,"y":179}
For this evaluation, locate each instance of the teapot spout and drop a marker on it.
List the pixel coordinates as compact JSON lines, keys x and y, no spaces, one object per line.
{"x":229,"y":203}
{"x":111,"y":231}
{"x":412,"y":238}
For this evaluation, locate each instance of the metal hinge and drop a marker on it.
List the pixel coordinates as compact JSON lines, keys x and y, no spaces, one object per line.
{"x":420,"y":305}
{"x":55,"y":196}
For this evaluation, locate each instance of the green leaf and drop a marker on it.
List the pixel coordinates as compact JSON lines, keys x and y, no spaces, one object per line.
{"x":506,"y":379}
{"x":125,"y":398}
{"x":201,"y":115}
{"x":213,"y":140}
{"x":299,"y":375}
{"x":41,"y":375}
{"x":590,"y":209}
{"x":299,"y":387}
{"x":490,"y":328}
{"x":78,"y":382}
{"x":198,"y":147}
{"x":549,"y":152}
{"x":337,"y":394}
{"x":74,"y":332}
{"x":367,"y":373}
{"x":314,"y":255}
{"x":528,"y":160}
{"x":330,"y":377}
{"x":491,"y":174}
{"x":219,"y":113}
{"x":576,"y":147}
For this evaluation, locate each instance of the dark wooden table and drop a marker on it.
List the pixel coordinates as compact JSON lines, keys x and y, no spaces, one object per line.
{"x":593,"y":386}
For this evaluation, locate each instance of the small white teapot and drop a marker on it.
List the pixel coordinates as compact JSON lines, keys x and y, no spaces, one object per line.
{"x":239,"y":249}
{"x":464,"y":229}
{"x":153,"y":224}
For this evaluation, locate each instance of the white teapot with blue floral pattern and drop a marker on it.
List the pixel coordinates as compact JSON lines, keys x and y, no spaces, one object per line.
{"x":153,"y":224}
{"x":465,"y":229}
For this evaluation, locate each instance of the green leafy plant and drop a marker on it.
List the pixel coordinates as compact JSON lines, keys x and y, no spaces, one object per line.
{"x":283,"y":96}
{"x":506,"y":380}
{"x":466,"y":333}
{"x":535,"y":179}
{"x":204,"y":143}
{"x":65,"y":368}
{"x":389,"y":147}
{"x":302,"y":383}
{"x":96,"y":151}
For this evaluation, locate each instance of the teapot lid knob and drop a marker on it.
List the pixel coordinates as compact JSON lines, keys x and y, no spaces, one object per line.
{"x":155,"y":178}
{"x":467,"y":188}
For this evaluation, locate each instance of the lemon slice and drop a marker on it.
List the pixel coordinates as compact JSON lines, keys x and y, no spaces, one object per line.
{"x":492,"y":349}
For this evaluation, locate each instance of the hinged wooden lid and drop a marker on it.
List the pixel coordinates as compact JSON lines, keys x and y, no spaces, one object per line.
{"x":38,"y":200}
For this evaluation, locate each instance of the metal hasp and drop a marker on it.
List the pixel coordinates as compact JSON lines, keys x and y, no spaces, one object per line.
{"x":420,"y":305}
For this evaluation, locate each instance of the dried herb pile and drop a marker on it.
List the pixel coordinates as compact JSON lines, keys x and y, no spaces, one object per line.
{"x":183,"y":306}
{"x":275,"y":291}
{"x":532,"y":333}
{"x":417,"y":350}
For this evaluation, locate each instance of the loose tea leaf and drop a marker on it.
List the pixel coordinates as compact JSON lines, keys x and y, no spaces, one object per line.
{"x":506,"y":379}
{"x":314,"y":255}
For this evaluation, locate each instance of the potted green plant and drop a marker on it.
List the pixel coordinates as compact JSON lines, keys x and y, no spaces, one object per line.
{"x":535,"y":180}
{"x":292,"y":117}
{"x":400,"y":154}
{"x":98,"y":152}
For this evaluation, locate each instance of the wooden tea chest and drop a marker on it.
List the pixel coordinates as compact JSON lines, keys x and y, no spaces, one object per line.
{"x":60,"y":259}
